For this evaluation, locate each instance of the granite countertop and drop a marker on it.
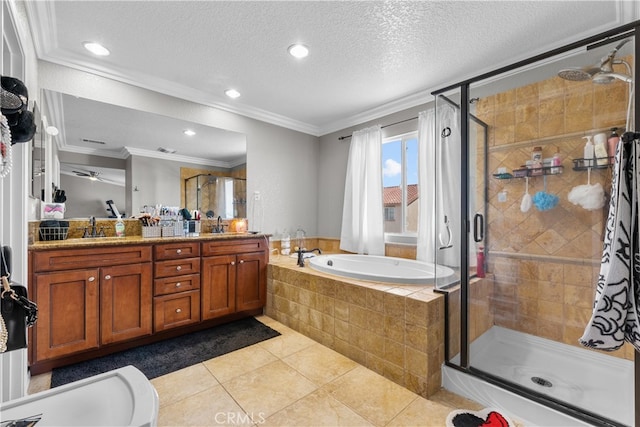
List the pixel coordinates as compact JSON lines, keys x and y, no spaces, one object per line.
{"x":137,"y":240}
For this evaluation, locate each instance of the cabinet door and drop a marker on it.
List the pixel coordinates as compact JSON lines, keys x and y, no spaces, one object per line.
{"x":126,"y":302}
{"x":217,"y":286}
{"x":250,"y":286}
{"x":173,"y":310}
{"x":67,"y":313}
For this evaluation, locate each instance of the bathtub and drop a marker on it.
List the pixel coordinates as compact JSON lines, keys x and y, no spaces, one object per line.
{"x":599,"y":383}
{"x":380,"y":268}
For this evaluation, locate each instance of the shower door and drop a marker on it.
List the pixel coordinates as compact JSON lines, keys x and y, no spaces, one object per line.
{"x":517,"y":321}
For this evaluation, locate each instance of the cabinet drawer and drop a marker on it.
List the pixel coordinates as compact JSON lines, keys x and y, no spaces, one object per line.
{"x":71,"y":259}
{"x":172,"y":285}
{"x":176,"y":267}
{"x":171,"y":311}
{"x":178,"y":250}
{"x":233,"y":246}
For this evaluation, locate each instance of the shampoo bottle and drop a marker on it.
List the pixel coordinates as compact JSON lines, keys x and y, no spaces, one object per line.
{"x":556,"y":162}
{"x":613,"y":140}
{"x":600,"y":149}
{"x":480,"y":262}
{"x":588,"y":152}
{"x":119,"y":227}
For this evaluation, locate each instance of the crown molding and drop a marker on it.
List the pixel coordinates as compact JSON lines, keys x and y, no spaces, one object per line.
{"x":178,"y":158}
{"x":392,"y":107}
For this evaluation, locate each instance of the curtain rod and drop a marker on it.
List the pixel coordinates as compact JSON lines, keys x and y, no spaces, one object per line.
{"x":381,"y":127}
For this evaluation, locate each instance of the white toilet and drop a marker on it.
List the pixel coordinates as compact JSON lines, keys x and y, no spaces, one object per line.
{"x":122,"y":397}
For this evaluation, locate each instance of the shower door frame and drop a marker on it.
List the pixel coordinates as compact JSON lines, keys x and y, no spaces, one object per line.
{"x":631,"y":29}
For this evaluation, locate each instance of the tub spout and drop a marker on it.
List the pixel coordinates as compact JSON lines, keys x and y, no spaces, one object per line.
{"x":301,"y":253}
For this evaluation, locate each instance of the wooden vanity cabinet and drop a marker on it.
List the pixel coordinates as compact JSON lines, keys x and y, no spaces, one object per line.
{"x":233,"y":276}
{"x":98,"y":300}
{"x":90,"y":297}
{"x":176,"y":289}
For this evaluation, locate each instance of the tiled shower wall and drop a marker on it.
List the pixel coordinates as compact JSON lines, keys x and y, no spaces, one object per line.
{"x":545,"y":263}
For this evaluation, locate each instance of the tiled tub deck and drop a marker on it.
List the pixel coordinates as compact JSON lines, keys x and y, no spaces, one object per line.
{"x":395,"y":330}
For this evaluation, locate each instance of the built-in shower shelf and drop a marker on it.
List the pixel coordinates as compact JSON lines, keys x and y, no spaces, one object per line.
{"x":530,"y":172}
{"x":585,"y":164}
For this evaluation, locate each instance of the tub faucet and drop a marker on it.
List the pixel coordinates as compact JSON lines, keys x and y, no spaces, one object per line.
{"x":301,"y":253}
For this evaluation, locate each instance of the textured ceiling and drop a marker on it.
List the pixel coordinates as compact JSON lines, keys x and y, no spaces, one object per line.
{"x":367,"y":58}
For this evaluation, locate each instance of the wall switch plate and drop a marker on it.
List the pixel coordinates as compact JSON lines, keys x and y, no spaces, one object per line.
{"x":256,"y":195}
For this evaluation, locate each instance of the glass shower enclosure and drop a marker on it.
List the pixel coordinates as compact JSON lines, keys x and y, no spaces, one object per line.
{"x":528,"y":206}
{"x":215,"y":196}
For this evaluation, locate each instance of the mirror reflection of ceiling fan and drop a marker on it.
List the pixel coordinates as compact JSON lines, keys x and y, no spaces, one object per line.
{"x":92,"y":175}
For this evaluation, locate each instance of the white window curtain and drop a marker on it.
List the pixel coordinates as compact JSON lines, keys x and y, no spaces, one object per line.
{"x":439,"y":174}
{"x":426,"y":244}
{"x":363,"y":211}
{"x":448,"y":175}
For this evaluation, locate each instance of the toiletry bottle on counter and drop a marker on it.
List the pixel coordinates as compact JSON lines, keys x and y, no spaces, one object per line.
{"x":613,"y":140}
{"x":600,"y":149}
{"x":119,"y":227}
{"x":285,"y":243}
{"x":588,"y":152}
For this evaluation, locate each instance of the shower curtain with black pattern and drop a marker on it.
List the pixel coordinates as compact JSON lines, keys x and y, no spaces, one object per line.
{"x":616,"y":311}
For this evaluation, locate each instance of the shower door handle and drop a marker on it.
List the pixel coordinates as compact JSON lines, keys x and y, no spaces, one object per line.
{"x":478,"y":228}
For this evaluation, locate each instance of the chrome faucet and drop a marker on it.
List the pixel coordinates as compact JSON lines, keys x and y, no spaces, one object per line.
{"x":301,"y":253}
{"x":91,"y":232}
{"x":219,"y":227}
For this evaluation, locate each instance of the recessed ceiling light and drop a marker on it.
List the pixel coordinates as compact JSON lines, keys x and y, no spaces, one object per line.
{"x":232,"y":93}
{"x":298,"y":50}
{"x":189,"y":132}
{"x":96,"y":48}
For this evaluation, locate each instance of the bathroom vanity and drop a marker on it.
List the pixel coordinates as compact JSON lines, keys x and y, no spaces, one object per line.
{"x":99,"y":296}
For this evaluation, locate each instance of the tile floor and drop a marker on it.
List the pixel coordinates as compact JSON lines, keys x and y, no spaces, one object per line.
{"x":289,"y":380}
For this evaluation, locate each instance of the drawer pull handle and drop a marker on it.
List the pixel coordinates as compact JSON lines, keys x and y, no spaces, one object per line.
{"x":178,"y":284}
{"x":179,"y":268}
{"x":107,"y":277}
{"x":233,"y":263}
{"x":179,"y":251}
{"x":91,"y":279}
{"x":178,"y":310}
{"x":241,"y":261}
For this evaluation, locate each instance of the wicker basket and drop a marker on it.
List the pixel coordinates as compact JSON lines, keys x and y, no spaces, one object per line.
{"x":54,"y":233}
{"x":168,"y":230}
{"x":151,"y":231}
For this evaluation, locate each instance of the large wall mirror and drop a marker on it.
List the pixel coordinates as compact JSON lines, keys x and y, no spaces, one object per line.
{"x":104,"y":152}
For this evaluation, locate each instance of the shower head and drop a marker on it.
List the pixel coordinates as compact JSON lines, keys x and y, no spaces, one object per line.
{"x":576,"y":74}
{"x":606,"y":78}
{"x":599,"y":74}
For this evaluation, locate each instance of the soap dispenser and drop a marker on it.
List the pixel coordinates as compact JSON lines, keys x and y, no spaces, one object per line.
{"x":588,"y":152}
{"x":119,"y":227}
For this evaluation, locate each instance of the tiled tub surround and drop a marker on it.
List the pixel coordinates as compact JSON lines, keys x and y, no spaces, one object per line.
{"x":394,"y":330}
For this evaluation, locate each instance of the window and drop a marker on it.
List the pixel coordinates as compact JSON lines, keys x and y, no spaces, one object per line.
{"x":389,"y":213}
{"x":400,"y":183}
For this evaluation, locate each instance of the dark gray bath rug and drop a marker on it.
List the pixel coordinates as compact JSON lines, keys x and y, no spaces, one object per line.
{"x":163,"y":357}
